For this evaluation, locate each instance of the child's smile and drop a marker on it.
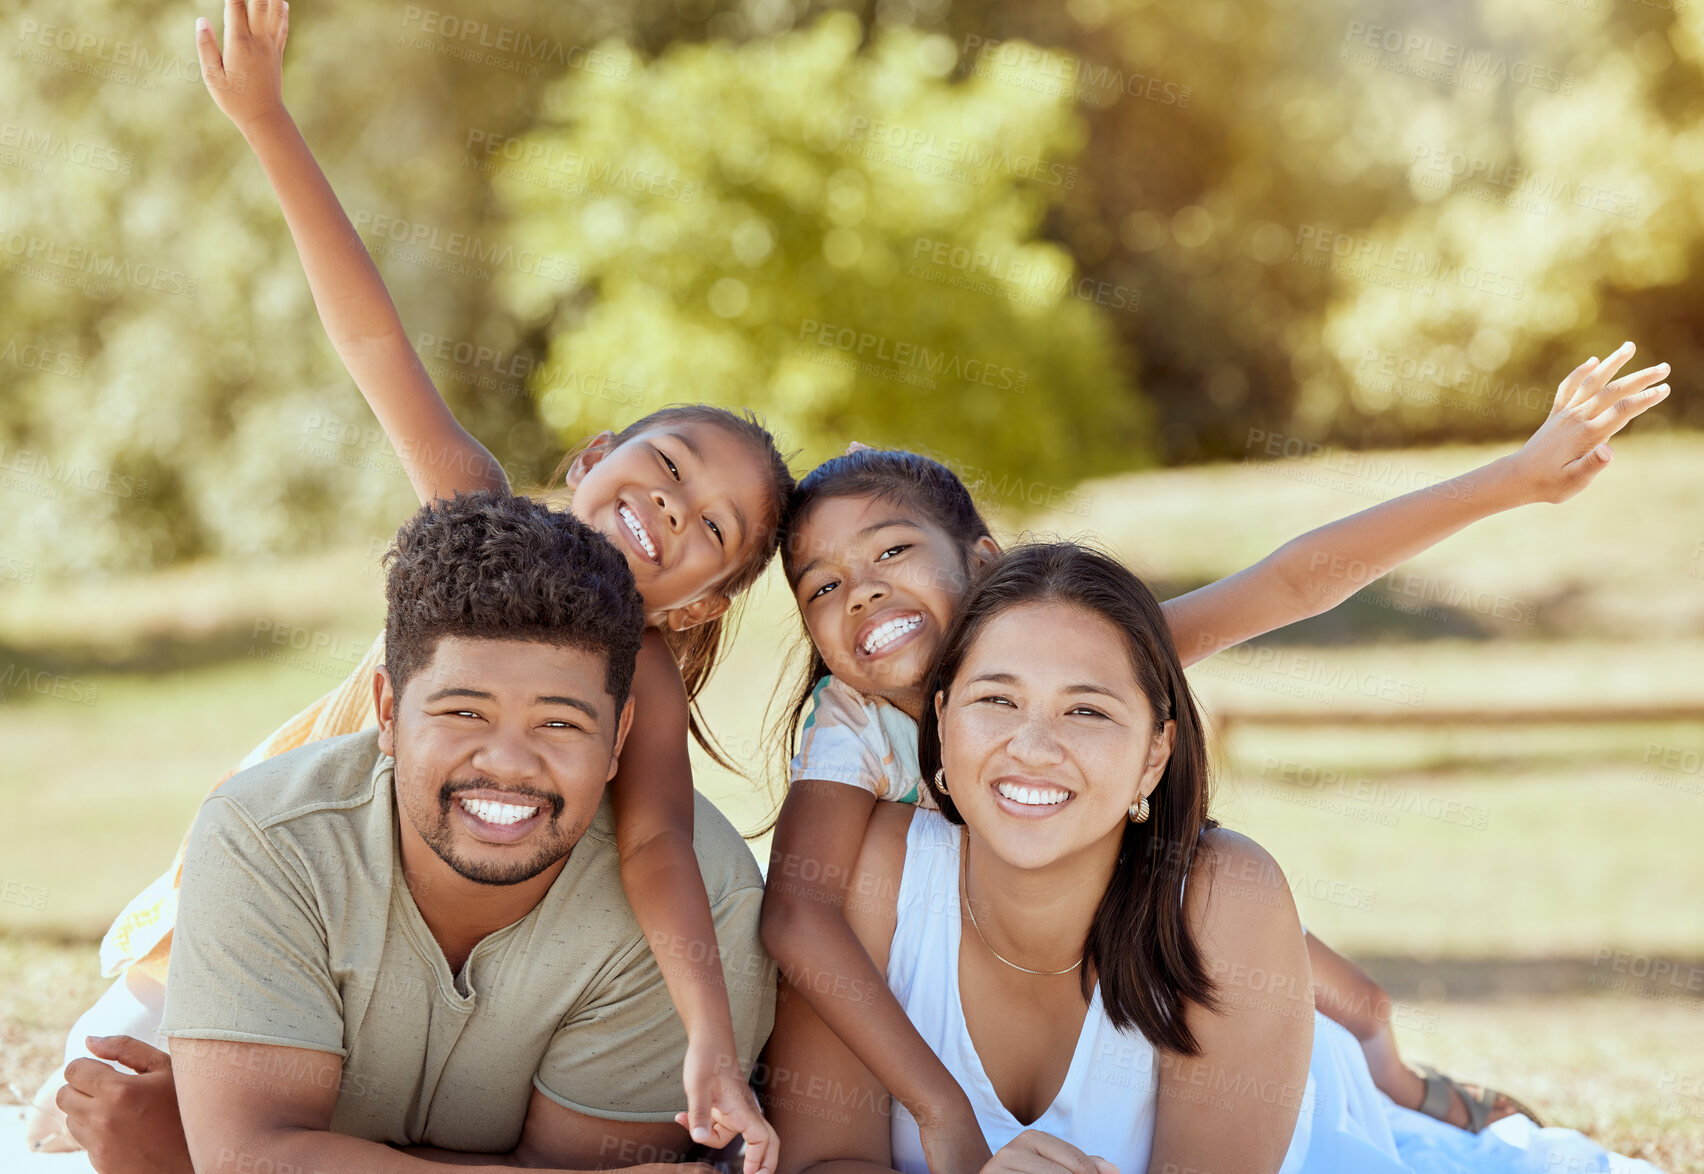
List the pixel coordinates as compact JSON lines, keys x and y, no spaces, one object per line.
{"x":877,"y":586}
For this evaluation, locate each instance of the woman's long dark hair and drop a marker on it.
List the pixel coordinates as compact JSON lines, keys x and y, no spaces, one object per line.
{"x":907,"y":479}
{"x":1139,"y":944}
{"x":698,"y":649}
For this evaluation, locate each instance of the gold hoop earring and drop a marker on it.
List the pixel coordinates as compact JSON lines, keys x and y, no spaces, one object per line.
{"x":1139,"y":810}
{"x":940,"y":779}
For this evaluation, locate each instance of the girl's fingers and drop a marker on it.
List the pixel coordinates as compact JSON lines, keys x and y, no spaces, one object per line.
{"x":1566,"y":390}
{"x":1618,"y":414}
{"x":207,"y":49}
{"x":1605,"y":371}
{"x":236,"y":20}
{"x":1624,"y":387}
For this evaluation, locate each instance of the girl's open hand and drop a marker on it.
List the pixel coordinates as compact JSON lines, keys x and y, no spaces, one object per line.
{"x":1570,"y":448}
{"x":721,"y":1107}
{"x":247,"y":78}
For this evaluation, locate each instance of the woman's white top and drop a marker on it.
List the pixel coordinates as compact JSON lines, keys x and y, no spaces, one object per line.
{"x":1107,"y":1103}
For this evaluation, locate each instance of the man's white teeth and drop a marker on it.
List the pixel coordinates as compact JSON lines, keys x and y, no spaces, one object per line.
{"x":632,"y":521}
{"x":889,"y":632}
{"x":1032,"y":796}
{"x":491,"y":811}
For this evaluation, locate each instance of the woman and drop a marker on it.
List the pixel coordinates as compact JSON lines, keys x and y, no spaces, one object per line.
{"x":1132,"y":992}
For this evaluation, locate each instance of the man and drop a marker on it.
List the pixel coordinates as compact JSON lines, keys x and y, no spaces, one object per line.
{"x":417,"y":936}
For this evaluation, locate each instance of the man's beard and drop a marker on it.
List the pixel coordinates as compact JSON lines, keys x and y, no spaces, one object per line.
{"x":550,"y":842}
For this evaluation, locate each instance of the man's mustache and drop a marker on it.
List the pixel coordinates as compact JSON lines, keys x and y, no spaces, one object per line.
{"x":453,"y":787}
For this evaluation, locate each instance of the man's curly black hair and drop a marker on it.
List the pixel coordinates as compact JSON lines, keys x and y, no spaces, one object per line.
{"x":495,"y":566}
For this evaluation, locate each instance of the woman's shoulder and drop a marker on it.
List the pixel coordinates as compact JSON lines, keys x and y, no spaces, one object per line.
{"x":1236,"y":885}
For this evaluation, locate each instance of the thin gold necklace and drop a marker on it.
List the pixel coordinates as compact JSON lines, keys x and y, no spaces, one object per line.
{"x":964,"y":891}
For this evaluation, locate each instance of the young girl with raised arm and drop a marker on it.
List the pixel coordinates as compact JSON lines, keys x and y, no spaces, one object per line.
{"x":692,"y":495}
{"x":880,"y":548}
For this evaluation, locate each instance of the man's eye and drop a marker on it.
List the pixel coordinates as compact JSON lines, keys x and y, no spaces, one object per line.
{"x":893,"y":550}
{"x":824,"y":589}
{"x":717,"y":531}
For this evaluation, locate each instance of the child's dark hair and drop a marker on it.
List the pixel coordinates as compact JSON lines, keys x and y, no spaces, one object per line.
{"x":698,"y":649}
{"x":905,"y":478}
{"x":1139,"y":945}
{"x":499,"y":567}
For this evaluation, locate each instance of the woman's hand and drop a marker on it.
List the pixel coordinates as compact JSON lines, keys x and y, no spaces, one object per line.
{"x":1570,"y":448}
{"x":1035,"y":1152}
{"x":721,"y":1107}
{"x":247,"y":79}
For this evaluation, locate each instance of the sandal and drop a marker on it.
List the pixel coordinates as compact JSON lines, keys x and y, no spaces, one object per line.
{"x":1436,"y":1102}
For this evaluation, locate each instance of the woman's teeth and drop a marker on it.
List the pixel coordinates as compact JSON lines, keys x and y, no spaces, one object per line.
{"x":493,"y":812}
{"x":889,"y":632}
{"x":1033,"y":796}
{"x":632,"y":521}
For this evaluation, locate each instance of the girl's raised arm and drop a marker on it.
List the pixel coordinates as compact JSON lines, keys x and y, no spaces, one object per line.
{"x":652,"y":796}
{"x":1322,"y":568}
{"x":246,"y":81}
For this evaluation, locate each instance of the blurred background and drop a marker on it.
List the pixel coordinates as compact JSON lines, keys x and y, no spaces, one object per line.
{"x":1187,"y":277}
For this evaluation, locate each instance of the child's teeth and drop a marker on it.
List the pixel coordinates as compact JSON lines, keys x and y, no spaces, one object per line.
{"x":638,"y":531}
{"x":494,"y":812}
{"x":890,"y":631}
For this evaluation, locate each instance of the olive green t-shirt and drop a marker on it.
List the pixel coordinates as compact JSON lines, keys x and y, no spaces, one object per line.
{"x":296,"y":927}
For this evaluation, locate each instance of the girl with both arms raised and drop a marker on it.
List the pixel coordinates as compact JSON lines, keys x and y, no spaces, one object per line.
{"x":692,"y":495}
{"x":880,"y":548}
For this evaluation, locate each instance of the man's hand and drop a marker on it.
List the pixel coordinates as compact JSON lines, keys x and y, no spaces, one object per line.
{"x":128,"y":1124}
{"x":1570,"y":448}
{"x":721,"y":1107}
{"x":1035,"y":1152}
{"x":247,"y":78}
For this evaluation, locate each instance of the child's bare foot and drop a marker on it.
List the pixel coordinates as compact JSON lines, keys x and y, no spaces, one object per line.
{"x":44,"y":1123}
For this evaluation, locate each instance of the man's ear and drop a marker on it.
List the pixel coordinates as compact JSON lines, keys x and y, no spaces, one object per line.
{"x":384,"y":704}
{"x":622,"y":725}
{"x":699,"y":611}
{"x":596,"y":450}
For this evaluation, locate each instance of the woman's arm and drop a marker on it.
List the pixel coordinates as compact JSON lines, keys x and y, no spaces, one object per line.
{"x":1233,"y":1107}
{"x":246,"y":82}
{"x":830,"y":1110}
{"x":653,"y":797}
{"x":1319,"y":570}
{"x":806,"y":906}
